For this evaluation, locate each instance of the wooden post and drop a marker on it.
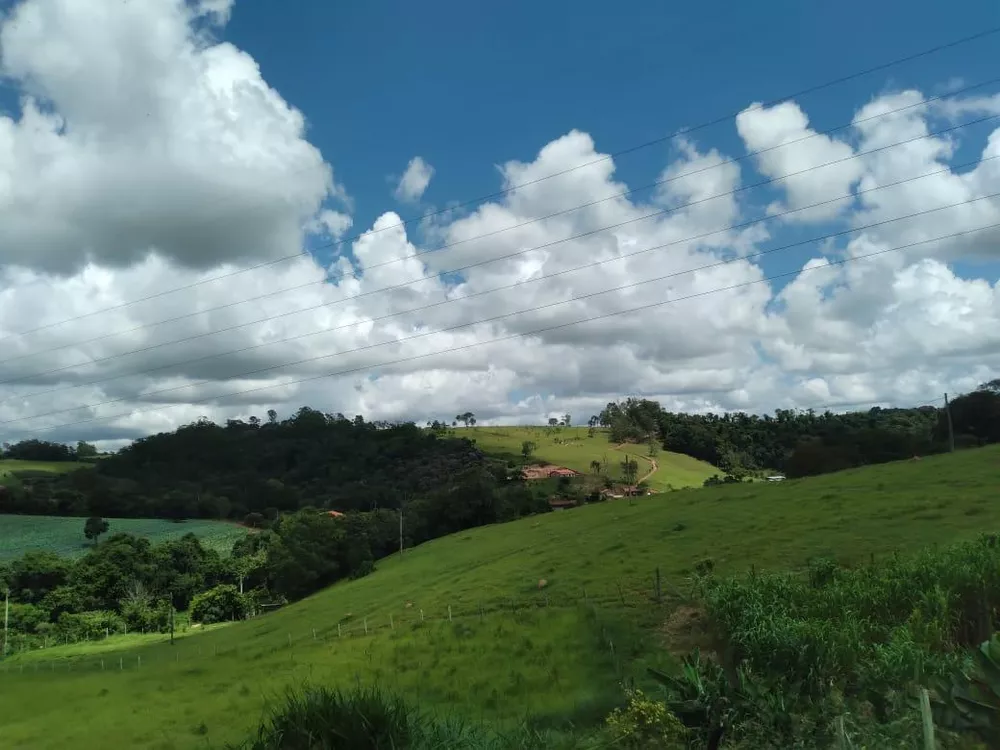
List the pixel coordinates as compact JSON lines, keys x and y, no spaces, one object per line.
{"x":421,"y":615}
{"x":951,"y":428}
{"x":842,"y":741}
{"x":6,"y":619}
{"x":314,"y":634}
{"x":392,"y":625}
{"x":339,"y":634}
{"x":366,"y":626}
{"x":289,"y":640}
{"x":121,"y":663}
{"x":927,"y":719}
{"x":449,"y":613}
{"x":659,"y":590}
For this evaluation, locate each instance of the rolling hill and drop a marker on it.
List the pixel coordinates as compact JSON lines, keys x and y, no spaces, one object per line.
{"x":537,"y":617}
{"x":574,"y":448}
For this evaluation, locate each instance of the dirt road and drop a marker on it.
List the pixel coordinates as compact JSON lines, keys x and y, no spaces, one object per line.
{"x":652,"y":462}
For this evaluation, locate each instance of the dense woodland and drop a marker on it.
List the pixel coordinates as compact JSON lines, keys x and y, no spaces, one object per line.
{"x":807,"y":443}
{"x":205,"y":470}
{"x":124,"y":583}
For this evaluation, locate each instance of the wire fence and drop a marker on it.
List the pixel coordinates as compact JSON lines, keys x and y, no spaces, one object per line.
{"x":114,"y":653}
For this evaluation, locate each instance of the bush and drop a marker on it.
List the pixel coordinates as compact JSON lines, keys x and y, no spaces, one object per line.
{"x":645,"y":723}
{"x":220,"y":604}
{"x":141,"y":616}
{"x":320,"y":718}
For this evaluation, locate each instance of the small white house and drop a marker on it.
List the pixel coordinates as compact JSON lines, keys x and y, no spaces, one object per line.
{"x":775,"y":478}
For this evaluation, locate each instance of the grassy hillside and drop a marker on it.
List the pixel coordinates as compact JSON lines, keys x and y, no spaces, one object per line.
{"x":64,"y":535}
{"x":13,"y":465}
{"x":574,"y":448}
{"x":512,"y":649}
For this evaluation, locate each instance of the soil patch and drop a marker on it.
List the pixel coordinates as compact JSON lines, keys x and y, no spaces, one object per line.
{"x":689,"y":627}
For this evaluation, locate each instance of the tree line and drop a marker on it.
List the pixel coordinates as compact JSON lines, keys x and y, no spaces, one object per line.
{"x":803,"y":443}
{"x":208,"y":470}
{"x":126,"y":583}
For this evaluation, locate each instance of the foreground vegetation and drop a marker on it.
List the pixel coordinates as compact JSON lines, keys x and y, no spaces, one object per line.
{"x":549,"y":613}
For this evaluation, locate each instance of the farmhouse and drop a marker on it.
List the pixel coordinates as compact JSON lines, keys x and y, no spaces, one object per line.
{"x":563,"y":473}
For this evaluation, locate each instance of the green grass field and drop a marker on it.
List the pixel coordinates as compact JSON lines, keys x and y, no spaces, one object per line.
{"x":12,"y":465}
{"x":64,"y":535}
{"x":540,"y":661}
{"x":573,"y":448}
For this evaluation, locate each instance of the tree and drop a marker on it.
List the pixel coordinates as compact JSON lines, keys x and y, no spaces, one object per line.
{"x":527,"y":448}
{"x":553,"y":422}
{"x":85,"y":450}
{"x":94,"y":527}
{"x":272,"y":416}
{"x":595,"y":466}
{"x":468,"y":419}
{"x":567,"y":419}
{"x":593,"y":421}
{"x":219,"y":604}
{"x":630,"y":470}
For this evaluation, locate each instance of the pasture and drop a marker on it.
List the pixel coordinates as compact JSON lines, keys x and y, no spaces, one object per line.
{"x":513,"y":648}
{"x":64,"y":535}
{"x":574,"y":448}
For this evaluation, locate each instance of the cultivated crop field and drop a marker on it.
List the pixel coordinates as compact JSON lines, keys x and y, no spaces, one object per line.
{"x":574,"y":448}
{"x":13,"y":465}
{"x":64,"y":535}
{"x":513,"y":649}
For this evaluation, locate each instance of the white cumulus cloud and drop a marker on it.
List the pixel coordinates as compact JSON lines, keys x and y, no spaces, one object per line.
{"x":414,"y":182}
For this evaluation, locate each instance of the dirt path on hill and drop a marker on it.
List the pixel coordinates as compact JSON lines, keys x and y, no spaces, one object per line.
{"x":652,"y":462}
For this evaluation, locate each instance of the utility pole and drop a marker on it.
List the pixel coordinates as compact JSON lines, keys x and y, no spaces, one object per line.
{"x":6,"y":619}
{"x":951,"y":427}
{"x":171,"y":623}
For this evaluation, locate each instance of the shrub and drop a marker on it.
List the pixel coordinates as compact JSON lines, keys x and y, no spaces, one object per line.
{"x":321,"y":718}
{"x":220,"y":604}
{"x":645,"y":723}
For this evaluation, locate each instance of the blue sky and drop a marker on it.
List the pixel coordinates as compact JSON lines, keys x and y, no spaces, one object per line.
{"x":177,"y":159}
{"x":467,"y":86}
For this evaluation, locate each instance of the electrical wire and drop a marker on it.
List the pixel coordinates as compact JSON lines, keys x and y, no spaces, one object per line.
{"x":465,"y":347}
{"x":662,"y":139}
{"x":659,"y":212}
{"x":513,"y":285}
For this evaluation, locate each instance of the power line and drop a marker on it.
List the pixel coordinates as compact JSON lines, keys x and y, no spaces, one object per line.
{"x":513,"y":285}
{"x":662,"y":139}
{"x":589,"y":233}
{"x":464,"y":347}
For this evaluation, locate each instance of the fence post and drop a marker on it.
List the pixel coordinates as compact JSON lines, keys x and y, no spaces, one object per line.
{"x":289,"y":640}
{"x":121,"y":663}
{"x":659,"y":591}
{"x":421,"y":615}
{"x":928,"y":720}
{"x":392,"y":625}
{"x":366,"y":626}
{"x":842,"y":742}
{"x":449,"y":613}
{"x":339,"y":634}
{"x":102,"y":665}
